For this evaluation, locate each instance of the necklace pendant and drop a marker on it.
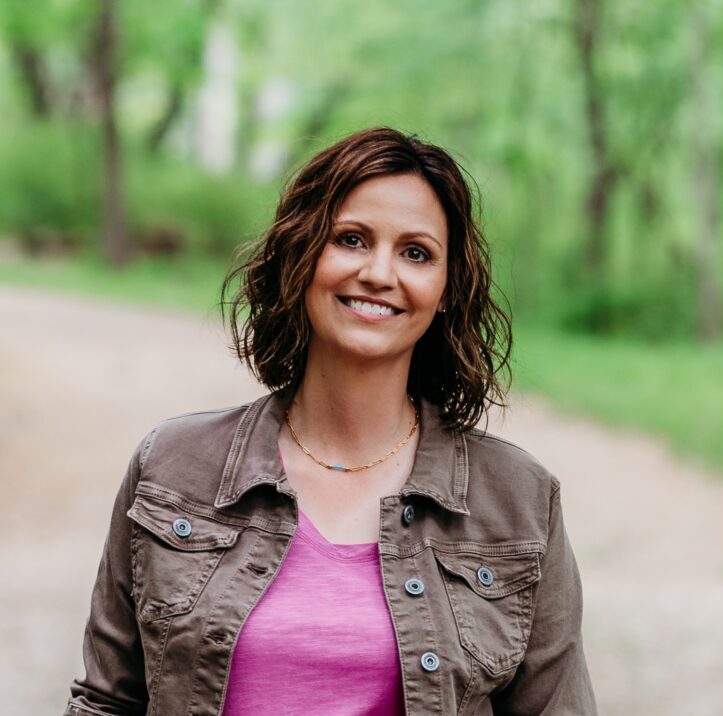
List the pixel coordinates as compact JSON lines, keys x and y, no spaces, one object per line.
{"x":343,"y":468}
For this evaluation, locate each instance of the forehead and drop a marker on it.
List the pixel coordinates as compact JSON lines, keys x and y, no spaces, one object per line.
{"x":404,"y":201}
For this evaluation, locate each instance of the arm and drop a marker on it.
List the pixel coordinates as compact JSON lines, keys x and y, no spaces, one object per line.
{"x":112,"y":651}
{"x":553,"y":679}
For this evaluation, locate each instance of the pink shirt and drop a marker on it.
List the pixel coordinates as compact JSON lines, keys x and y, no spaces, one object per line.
{"x":321,"y":640}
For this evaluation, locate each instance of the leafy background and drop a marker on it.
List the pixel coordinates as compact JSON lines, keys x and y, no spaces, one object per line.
{"x":141,"y":142}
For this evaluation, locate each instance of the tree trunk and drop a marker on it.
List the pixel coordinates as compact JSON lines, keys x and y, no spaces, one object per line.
{"x":115,"y":241}
{"x":158,"y":133}
{"x":706,"y":178}
{"x":32,"y":69}
{"x":587,"y":23}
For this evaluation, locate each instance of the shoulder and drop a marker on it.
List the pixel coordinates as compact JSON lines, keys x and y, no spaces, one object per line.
{"x":188,"y":452}
{"x":190,"y":430}
{"x":508,"y":461}
{"x":508,"y":485}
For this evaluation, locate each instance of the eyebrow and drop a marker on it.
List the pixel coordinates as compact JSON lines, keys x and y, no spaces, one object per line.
{"x":405,"y":235}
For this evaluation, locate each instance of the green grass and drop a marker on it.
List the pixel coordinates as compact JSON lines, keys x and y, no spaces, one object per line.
{"x":673,"y":390}
{"x":189,"y":284}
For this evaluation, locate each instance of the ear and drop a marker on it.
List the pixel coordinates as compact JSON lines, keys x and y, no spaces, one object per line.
{"x":441,"y":308}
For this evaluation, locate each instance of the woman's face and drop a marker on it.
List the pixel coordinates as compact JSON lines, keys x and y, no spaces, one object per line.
{"x":381,"y":276}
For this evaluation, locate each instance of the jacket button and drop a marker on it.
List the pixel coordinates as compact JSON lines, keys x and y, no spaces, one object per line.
{"x":430,"y":661}
{"x":408,"y":515}
{"x":414,"y":586}
{"x":484,"y":574}
{"x":182,"y":527}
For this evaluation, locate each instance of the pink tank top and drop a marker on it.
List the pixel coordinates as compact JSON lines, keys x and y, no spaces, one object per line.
{"x":321,"y":640}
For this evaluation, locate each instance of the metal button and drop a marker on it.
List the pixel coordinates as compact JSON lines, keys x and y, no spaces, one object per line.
{"x":414,"y":586}
{"x":430,"y":661}
{"x":182,"y":527}
{"x":408,"y":515}
{"x":484,"y":574}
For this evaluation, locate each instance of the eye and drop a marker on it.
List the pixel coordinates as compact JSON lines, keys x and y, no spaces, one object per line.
{"x":349,"y":239}
{"x":417,"y":254}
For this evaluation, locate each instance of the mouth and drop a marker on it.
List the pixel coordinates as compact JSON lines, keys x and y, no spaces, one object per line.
{"x":370,"y":308}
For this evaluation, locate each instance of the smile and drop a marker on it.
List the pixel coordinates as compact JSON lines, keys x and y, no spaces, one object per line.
{"x":367,"y":308}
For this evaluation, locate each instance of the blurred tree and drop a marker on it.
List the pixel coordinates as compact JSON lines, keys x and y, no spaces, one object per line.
{"x":584,"y":122}
{"x":31,"y":36}
{"x":104,"y":62}
{"x":32,"y":69}
{"x":163,"y":43}
{"x":706,"y":96}
{"x":604,"y":171}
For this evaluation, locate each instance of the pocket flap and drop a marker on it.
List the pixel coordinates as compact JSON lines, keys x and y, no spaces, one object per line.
{"x":181,"y":529}
{"x":493,"y":576}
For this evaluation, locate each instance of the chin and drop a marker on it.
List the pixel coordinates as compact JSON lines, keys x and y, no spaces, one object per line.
{"x":372,"y":350}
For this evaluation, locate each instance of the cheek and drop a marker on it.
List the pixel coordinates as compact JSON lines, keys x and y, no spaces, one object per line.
{"x":319,"y":281}
{"x":329,"y":271}
{"x":427,"y":294}
{"x":322,"y":287}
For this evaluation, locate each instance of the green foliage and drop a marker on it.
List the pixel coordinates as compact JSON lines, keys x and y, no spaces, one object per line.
{"x":659,"y":310}
{"x":164,"y":37}
{"x":673,"y":390}
{"x":49,"y":176}
{"x":498,"y":83}
{"x":51,"y":197}
{"x":208,"y":215}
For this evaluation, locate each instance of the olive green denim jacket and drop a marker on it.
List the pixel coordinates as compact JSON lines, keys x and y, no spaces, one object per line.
{"x":205,"y":516}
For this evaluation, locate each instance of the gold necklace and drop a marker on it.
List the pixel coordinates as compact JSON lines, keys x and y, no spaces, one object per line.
{"x":356,"y":468}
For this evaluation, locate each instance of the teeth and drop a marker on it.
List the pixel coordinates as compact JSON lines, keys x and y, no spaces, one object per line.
{"x":373,"y":308}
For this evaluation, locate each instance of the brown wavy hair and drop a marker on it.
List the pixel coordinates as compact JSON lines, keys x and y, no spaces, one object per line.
{"x":457,"y":363}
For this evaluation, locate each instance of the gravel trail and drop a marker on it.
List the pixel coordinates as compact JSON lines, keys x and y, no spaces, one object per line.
{"x":81,"y":382}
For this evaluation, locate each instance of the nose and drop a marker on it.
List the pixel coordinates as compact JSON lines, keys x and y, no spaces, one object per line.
{"x":378,"y":269}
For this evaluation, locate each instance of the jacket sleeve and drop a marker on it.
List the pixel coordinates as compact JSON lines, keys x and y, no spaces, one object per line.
{"x":553,"y":679}
{"x":114,"y":682}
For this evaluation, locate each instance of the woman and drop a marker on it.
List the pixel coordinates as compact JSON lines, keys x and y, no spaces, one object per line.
{"x":349,"y":543}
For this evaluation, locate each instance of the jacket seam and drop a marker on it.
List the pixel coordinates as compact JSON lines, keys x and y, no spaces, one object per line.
{"x":483,"y":549}
{"x":475,"y":672}
{"x":461,"y":483}
{"x":432,"y":629}
{"x":395,"y":624}
{"x":159,"y":665}
{"x":134,"y":566}
{"x":146,"y":489}
{"x":208,"y":411}
{"x":475,"y":432}
{"x":150,"y":440}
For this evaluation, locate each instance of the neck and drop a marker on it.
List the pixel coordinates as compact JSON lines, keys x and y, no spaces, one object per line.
{"x":351,"y":412}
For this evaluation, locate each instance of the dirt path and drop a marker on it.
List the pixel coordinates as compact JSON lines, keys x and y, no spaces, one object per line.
{"x":81,"y":382}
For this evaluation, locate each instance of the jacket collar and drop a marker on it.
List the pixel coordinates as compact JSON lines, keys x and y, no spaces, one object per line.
{"x":440,"y":472}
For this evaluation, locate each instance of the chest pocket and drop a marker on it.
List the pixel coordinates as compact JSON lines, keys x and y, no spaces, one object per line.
{"x":492,"y":601}
{"x":174,"y":555}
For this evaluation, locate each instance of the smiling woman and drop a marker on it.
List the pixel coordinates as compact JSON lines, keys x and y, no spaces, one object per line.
{"x":350,"y":542}
{"x":398,"y":211}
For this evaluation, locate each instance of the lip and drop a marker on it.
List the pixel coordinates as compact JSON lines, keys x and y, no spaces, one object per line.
{"x":369,"y":299}
{"x":372,"y":318}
